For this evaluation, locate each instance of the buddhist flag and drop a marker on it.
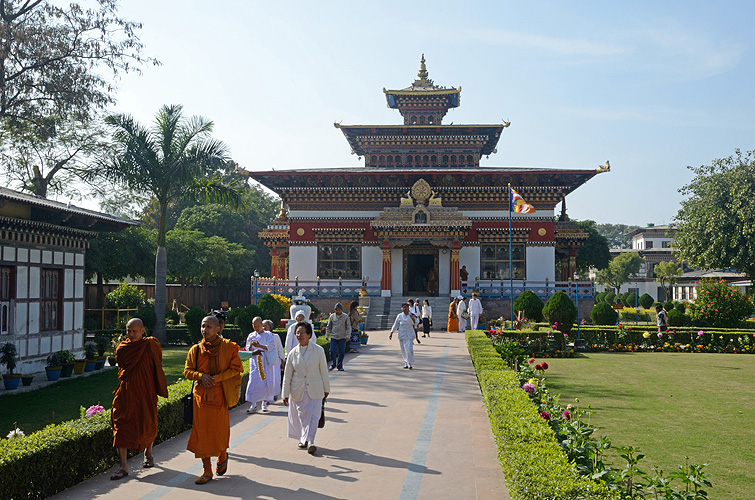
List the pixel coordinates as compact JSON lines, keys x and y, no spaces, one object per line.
{"x":517,"y":203}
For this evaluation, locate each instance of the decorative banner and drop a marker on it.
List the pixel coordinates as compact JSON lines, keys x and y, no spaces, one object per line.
{"x":517,"y":203}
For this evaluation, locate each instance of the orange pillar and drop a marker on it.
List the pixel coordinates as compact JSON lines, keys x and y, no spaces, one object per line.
{"x":455,"y":278}
{"x":386,"y":278}
{"x":274,"y":262}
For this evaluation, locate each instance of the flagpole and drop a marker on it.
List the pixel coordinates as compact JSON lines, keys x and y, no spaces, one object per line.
{"x":511,"y":274}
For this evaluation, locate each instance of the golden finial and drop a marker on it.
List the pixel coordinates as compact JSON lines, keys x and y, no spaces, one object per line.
{"x":422,"y":74}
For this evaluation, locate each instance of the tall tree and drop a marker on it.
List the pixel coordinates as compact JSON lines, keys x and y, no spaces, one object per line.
{"x":55,"y":58}
{"x":619,"y":270}
{"x":716,"y":223}
{"x":616,"y":234}
{"x":594,"y":253}
{"x":174,"y":159}
{"x":667,"y":273}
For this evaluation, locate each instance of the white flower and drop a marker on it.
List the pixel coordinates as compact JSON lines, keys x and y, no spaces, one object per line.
{"x":15,"y":433}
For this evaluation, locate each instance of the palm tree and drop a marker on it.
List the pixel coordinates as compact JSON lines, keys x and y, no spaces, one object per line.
{"x":175,"y":159}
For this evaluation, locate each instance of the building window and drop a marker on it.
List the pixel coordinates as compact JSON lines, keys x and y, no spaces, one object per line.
{"x":6,"y":294}
{"x":51,"y":303}
{"x":339,"y":260}
{"x":494,"y":261}
{"x":648,"y":245}
{"x":665,"y":244}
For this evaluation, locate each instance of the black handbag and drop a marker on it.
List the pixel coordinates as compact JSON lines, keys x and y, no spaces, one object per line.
{"x":321,"y":423}
{"x":188,"y":400}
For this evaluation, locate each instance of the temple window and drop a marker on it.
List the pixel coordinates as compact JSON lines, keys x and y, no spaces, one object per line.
{"x":434,"y":160}
{"x":339,"y":260}
{"x":409,"y":159}
{"x":381,"y":160}
{"x":397,"y":159}
{"x":430,"y":120}
{"x":390,"y":159}
{"x":425,"y":159}
{"x":453,"y":159}
{"x":414,"y":120}
{"x":6,"y":294}
{"x":470,"y":161}
{"x":445,"y":160}
{"x":51,"y":300}
{"x":422,"y":120}
{"x":420,"y":218}
{"x":494,"y":261}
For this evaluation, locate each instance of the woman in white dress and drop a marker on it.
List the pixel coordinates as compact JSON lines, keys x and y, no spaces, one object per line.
{"x":427,"y":318}
{"x":261,"y":386}
{"x":291,"y":341}
{"x":305,"y":386}
{"x":404,"y":325}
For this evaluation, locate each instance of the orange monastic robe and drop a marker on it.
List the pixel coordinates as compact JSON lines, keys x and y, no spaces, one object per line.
{"x":141,"y":379}
{"x":211,"y":432}
{"x":453,"y":321}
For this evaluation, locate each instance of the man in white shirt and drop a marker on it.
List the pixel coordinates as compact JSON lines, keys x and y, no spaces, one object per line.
{"x":475,"y":310}
{"x":462,"y":314}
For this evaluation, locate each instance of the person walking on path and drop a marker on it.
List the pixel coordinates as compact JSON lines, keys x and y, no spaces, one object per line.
{"x":404,"y":326}
{"x":291,"y":340}
{"x":277,"y":360}
{"x":215,"y":365}
{"x":427,"y":318}
{"x":453,"y":320}
{"x":305,"y":386}
{"x":661,"y":318}
{"x":354,"y":318}
{"x":475,"y":310}
{"x":338,"y":331}
{"x":462,"y":314}
{"x":140,"y":380}
{"x":261,"y":385}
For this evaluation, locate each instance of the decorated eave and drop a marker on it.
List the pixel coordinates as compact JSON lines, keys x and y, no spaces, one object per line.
{"x":568,"y":233}
{"x":30,"y":208}
{"x":365,"y":139}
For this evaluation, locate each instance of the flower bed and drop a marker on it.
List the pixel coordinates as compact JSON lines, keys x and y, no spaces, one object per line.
{"x":59,"y":456}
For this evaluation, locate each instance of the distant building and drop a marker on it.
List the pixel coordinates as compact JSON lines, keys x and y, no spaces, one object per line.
{"x":42,"y":251}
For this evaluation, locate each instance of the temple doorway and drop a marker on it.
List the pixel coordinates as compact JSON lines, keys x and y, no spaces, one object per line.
{"x":421,"y":272}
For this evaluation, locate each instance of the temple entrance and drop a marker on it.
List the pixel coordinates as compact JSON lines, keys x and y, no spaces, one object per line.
{"x":421,"y":272}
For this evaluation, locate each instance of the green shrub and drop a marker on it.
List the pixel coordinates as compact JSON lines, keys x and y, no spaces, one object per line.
{"x":667,"y":306}
{"x":178,"y":335}
{"x":677,"y":318}
{"x":535,"y":466}
{"x":146,"y":313}
{"x":646,"y":301}
{"x":530,"y":304}
{"x":630,"y":299}
{"x":719,"y":305}
{"x":32,"y":467}
{"x":271,"y":309}
{"x":126,"y":296}
{"x":680,"y":306}
{"x":242,"y":317}
{"x":603,"y":314}
{"x":194,"y":318}
{"x":560,"y":309}
{"x":609,"y":298}
{"x":172,"y":317}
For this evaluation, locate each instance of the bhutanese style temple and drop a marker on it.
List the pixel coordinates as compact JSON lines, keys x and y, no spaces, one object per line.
{"x":422,"y":207}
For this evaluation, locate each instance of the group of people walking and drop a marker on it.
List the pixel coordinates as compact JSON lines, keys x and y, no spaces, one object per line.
{"x":459,"y":312}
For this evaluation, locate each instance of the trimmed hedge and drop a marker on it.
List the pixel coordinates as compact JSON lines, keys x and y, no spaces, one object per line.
{"x":533,"y":463}
{"x":57,"y":457}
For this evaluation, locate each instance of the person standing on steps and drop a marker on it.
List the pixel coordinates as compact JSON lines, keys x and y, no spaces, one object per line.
{"x":404,"y":326}
{"x":427,"y":318}
{"x":338,"y":331}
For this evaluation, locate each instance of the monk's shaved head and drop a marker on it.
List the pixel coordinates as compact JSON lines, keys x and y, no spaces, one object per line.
{"x":211,"y":319}
{"x":135,"y":322}
{"x":135,"y":329}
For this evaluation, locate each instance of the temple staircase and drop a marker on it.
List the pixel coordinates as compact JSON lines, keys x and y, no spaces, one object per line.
{"x":382,"y":311}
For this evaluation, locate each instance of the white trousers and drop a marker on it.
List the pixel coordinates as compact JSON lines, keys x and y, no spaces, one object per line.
{"x":474,"y":318}
{"x":303,"y":417}
{"x":407,"y":350}
{"x":462,"y":324}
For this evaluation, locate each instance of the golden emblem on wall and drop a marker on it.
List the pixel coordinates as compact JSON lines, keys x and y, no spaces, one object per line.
{"x":300,"y":231}
{"x":541,"y":231}
{"x":421,"y":191}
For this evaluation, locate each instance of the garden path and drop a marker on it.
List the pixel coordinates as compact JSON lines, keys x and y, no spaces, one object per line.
{"x":390,"y":433}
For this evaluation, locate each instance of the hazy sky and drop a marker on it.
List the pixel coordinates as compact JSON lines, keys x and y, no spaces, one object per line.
{"x":651,"y":86}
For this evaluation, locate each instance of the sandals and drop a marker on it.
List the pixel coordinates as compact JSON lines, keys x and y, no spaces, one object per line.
{"x":148,"y":462}
{"x":222,"y":467}
{"x":203,"y":479}
{"x":119,"y":475}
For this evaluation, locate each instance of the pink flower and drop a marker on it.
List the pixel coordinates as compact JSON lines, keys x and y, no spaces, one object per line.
{"x":545,"y":415}
{"x":531,"y":360}
{"x":567,"y":415}
{"x":94,"y":410}
{"x":529,"y":388}
{"x":700,"y":333}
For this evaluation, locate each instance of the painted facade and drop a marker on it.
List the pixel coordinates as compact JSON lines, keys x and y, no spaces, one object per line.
{"x":42,"y":253}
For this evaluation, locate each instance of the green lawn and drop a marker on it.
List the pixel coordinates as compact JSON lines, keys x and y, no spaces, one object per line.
{"x":34,"y":410}
{"x":671,"y":405}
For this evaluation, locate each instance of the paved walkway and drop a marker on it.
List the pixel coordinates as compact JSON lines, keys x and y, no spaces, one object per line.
{"x":390,"y":433}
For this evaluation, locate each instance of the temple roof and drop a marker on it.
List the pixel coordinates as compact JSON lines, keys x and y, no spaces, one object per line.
{"x":422,"y":86}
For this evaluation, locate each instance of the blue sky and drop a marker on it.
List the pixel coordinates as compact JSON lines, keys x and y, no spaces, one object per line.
{"x":651,"y":86}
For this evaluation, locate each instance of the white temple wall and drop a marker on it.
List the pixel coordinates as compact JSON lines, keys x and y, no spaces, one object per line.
{"x":397,"y":271}
{"x":541,"y":263}
{"x":470,"y":257}
{"x":444,"y":272}
{"x":372,"y":263}
{"x":302,"y":262}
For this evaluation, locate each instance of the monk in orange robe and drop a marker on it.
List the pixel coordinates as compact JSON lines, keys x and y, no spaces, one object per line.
{"x":453,"y":319}
{"x":216,"y":366}
{"x":140,"y":380}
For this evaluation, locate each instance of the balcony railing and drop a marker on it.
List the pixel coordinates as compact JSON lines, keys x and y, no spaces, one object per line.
{"x":490,"y":289}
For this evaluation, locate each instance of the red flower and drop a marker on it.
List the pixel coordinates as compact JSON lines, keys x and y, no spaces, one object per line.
{"x":544,"y":365}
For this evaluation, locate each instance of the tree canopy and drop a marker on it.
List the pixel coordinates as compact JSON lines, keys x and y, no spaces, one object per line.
{"x":716,"y":222}
{"x":594,"y":253}
{"x":619,"y":270}
{"x":616,"y":234}
{"x":667,"y":273}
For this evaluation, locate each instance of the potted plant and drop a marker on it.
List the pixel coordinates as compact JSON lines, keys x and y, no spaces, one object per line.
{"x":26,"y":380}
{"x":67,"y":360}
{"x":363,"y":338}
{"x":90,"y":356}
{"x":54,"y":367}
{"x":103,"y":342}
{"x":114,"y":342}
{"x":8,"y":355}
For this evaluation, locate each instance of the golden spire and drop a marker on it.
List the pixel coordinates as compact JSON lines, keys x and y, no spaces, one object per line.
{"x":422,"y":69}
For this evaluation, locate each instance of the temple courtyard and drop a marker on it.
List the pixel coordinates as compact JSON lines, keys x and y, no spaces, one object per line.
{"x":390,"y":433}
